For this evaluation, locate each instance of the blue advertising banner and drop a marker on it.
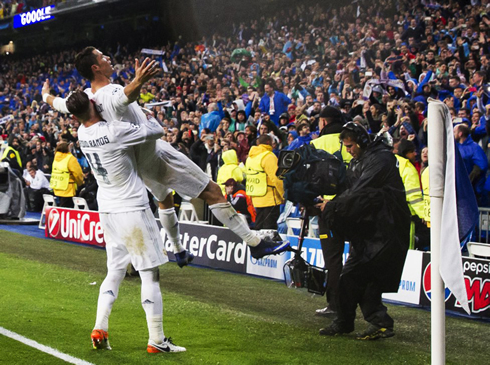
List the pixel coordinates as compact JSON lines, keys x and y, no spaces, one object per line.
{"x":32,"y":17}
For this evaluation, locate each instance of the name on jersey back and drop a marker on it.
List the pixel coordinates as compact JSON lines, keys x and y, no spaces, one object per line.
{"x":94,"y":142}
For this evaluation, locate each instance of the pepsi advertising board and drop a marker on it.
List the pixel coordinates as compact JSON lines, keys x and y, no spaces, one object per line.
{"x":33,"y":17}
{"x":477,"y":280}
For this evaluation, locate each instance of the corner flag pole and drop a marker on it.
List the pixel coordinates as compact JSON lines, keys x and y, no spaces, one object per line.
{"x":437,"y":156}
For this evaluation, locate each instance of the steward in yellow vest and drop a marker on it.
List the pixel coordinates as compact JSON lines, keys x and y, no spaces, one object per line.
{"x":411,"y":181}
{"x":425,"y":189}
{"x":419,"y":233}
{"x":230,"y":169}
{"x":11,"y":154}
{"x":330,"y":123}
{"x":66,"y":175}
{"x":265,"y":188}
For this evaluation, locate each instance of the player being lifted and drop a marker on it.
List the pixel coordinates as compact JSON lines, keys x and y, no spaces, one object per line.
{"x":130,"y":231}
{"x":160,"y":165}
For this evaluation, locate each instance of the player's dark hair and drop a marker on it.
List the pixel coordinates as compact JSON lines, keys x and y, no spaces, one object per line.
{"x":78,"y":104}
{"x":84,"y":62}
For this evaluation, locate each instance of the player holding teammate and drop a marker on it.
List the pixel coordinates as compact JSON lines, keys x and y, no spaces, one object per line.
{"x":130,"y":231}
{"x":161,"y":166}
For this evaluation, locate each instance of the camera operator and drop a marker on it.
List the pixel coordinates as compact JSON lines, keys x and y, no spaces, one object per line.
{"x":373,"y":215}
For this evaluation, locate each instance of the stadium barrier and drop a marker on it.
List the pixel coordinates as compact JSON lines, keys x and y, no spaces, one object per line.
{"x":219,"y":248}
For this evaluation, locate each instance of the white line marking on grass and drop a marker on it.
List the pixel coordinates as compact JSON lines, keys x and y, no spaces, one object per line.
{"x":43,"y":348}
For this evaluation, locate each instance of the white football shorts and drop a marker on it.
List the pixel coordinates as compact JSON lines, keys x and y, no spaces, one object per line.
{"x":133,"y":237}
{"x":170,"y":170}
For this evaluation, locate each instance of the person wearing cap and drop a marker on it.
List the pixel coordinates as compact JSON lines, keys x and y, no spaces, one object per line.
{"x":330,"y":124}
{"x":241,"y":146}
{"x":304,"y":136}
{"x":239,"y":200}
{"x":373,"y":215}
{"x":229,"y":169}
{"x":265,"y":188}
{"x":12,"y":155}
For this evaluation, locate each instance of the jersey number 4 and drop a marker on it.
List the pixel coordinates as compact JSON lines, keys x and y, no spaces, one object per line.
{"x":96,"y":164}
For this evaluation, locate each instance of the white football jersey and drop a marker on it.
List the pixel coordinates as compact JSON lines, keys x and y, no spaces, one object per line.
{"x":109,"y":148}
{"x":159,"y":164}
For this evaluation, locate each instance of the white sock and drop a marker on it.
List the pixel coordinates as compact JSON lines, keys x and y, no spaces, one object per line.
{"x":151,"y":299}
{"x":170,"y":224}
{"x":107,"y":296}
{"x":227,"y":215}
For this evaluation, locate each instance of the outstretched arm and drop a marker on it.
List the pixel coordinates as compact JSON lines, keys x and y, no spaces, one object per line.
{"x":143,"y":73}
{"x":55,"y":102}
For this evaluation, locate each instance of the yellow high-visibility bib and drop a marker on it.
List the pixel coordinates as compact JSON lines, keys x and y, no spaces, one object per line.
{"x":60,"y":176}
{"x":256,"y":176}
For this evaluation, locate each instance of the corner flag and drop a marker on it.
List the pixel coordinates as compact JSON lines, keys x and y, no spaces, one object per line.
{"x":459,"y":211}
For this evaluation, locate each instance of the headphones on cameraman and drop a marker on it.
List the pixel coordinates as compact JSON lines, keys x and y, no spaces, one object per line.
{"x":362,"y":136}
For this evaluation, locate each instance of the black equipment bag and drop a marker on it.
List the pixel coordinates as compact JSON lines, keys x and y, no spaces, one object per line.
{"x":308,"y":172}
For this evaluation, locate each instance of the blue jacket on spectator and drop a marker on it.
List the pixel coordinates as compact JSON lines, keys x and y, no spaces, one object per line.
{"x":281,"y":103}
{"x":298,"y":142}
{"x":472,"y":155}
{"x":212,"y":120}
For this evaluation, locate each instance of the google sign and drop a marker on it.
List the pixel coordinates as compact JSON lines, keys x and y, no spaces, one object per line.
{"x":34,"y":16}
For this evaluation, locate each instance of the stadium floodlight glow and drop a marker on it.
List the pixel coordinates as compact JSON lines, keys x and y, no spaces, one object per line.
{"x":32,"y":17}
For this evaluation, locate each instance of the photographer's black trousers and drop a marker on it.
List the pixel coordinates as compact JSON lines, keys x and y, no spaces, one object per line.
{"x":358,"y":287}
{"x":267,"y":217}
{"x":333,"y":250}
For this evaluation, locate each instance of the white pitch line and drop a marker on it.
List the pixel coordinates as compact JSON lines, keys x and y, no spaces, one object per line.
{"x":43,"y":348}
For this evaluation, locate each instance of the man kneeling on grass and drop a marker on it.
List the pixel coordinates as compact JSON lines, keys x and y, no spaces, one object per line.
{"x":130,"y":230}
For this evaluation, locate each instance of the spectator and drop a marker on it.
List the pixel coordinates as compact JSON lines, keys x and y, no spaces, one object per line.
{"x":36,"y":186}
{"x":229,"y":169}
{"x":474,"y":158}
{"x":304,"y":136}
{"x":239,"y":200}
{"x":274,"y":103}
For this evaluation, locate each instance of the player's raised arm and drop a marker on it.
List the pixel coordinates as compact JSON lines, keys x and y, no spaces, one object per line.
{"x":143,"y":73}
{"x":55,"y":102}
{"x":130,"y":134}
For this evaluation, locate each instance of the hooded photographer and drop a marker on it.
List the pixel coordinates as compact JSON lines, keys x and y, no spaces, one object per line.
{"x":373,"y":215}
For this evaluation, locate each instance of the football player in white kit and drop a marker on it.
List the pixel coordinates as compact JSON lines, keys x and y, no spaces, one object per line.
{"x":130,"y":230}
{"x":161,"y":166}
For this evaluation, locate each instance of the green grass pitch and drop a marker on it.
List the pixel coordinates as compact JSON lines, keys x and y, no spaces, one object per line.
{"x":222,"y":318}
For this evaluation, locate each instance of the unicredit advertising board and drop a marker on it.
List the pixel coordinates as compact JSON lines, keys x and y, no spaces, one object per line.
{"x":82,"y":226}
{"x":33,"y":16}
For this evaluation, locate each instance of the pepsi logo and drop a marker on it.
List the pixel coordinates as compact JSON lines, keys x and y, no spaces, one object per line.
{"x":54,"y":222}
{"x":426,"y":284}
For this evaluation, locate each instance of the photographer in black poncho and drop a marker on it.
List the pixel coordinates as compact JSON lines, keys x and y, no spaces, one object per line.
{"x":373,"y":215}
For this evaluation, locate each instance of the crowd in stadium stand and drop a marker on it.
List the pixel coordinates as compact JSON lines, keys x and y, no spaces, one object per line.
{"x":378,"y":62}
